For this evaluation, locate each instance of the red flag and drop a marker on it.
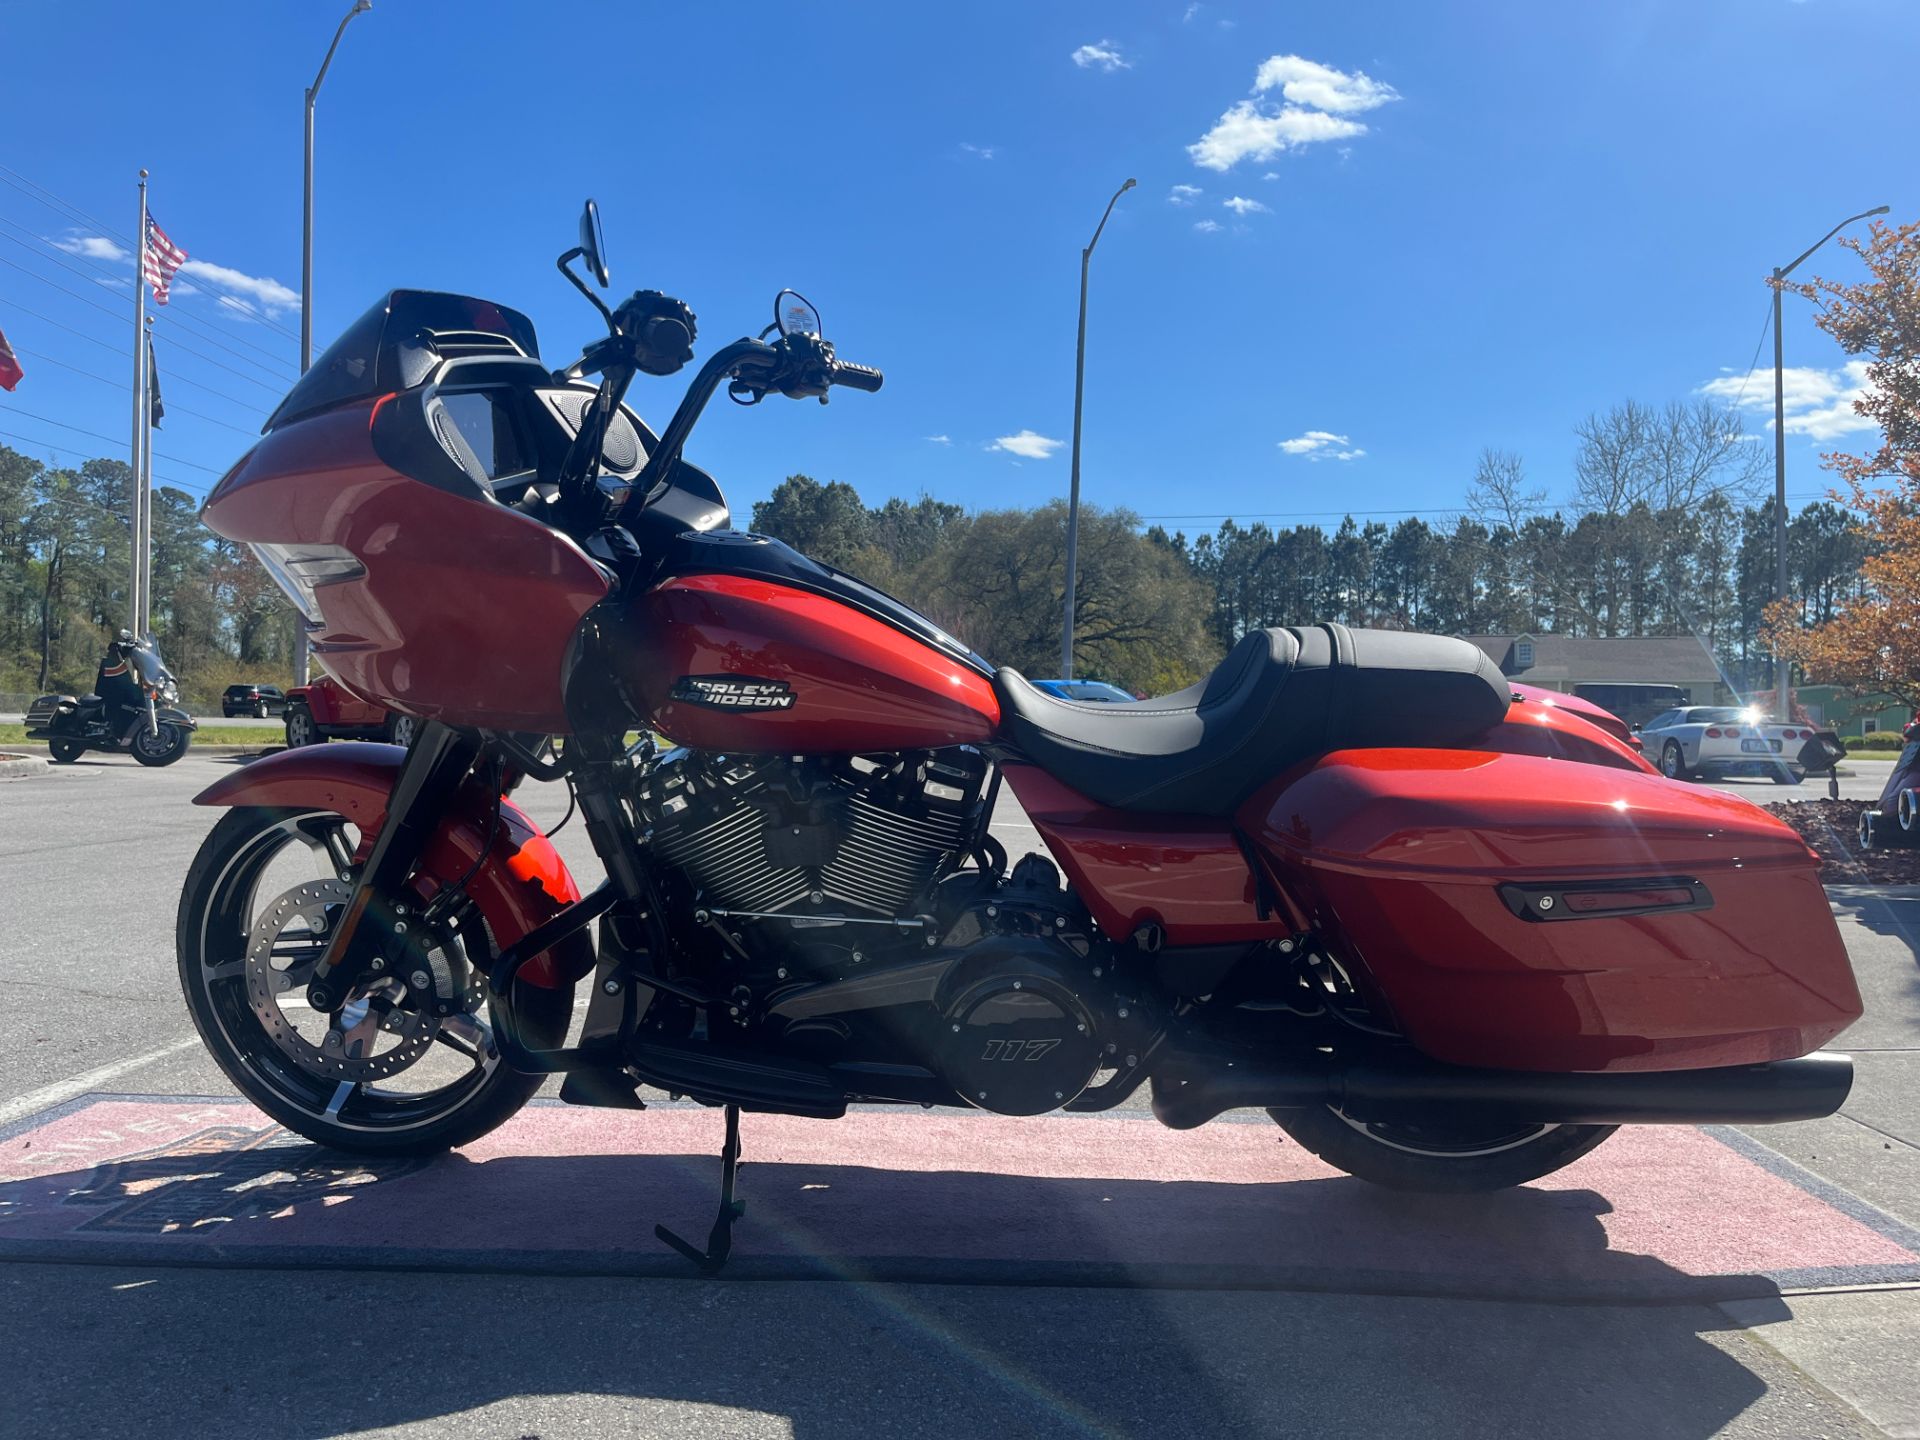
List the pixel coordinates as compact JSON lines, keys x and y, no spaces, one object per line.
{"x":10,"y":371}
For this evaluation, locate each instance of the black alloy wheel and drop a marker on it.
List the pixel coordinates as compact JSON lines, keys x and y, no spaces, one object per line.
{"x":407,"y":1065}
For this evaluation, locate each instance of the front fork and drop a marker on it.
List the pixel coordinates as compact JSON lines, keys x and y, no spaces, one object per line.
{"x":437,"y":766}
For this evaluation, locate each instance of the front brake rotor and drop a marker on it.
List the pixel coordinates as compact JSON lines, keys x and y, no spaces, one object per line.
{"x":294,"y":930}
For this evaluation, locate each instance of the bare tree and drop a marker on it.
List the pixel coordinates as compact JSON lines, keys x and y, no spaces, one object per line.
{"x":1667,"y":459}
{"x":1609,"y":465}
{"x":1697,"y":450}
{"x":1499,"y":494}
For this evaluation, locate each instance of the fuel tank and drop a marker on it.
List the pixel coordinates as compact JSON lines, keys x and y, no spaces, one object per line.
{"x":746,"y":646}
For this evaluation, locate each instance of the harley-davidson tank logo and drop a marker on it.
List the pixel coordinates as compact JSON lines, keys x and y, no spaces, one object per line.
{"x":734,"y":692}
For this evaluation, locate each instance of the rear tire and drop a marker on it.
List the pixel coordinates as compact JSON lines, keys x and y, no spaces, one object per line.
{"x":65,"y":752}
{"x":1786,"y":777}
{"x":1473,"y":1157}
{"x":1673,"y":764}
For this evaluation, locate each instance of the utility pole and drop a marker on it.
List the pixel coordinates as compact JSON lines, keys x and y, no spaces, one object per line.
{"x":136,"y":506}
{"x":1781,"y":669}
{"x":1073,"y":494}
{"x":300,"y":668}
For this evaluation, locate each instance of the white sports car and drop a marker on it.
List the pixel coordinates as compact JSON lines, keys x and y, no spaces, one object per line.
{"x":1710,"y":741}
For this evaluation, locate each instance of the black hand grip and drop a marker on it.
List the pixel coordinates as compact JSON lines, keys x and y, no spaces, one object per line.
{"x":859,"y":377}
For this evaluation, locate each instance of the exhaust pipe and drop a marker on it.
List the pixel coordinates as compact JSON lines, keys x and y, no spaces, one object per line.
{"x":1190,"y":1089}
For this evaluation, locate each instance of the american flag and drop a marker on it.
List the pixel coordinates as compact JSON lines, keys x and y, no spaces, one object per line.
{"x":160,"y":258}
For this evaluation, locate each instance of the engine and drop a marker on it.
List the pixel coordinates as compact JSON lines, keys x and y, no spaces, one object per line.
{"x":858,"y":941}
{"x":813,"y":841}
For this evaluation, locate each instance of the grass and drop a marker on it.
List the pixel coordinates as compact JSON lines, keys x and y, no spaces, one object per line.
{"x":205,"y":735}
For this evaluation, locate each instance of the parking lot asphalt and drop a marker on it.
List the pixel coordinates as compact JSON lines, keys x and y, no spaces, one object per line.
{"x":91,"y":859}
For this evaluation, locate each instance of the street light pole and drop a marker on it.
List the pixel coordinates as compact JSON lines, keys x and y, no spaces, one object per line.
{"x":306,"y":275}
{"x":1782,"y":689}
{"x":1073,"y":494}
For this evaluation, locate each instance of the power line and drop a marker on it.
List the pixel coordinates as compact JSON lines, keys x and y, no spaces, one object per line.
{"x":63,"y":450}
{"x":111,"y":440}
{"x":173,"y":340}
{"x":117,"y":385}
{"x":69,"y":210}
{"x":1766,"y":324}
{"x":99,"y":272}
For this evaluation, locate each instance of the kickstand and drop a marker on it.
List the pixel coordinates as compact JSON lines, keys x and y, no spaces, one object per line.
{"x":720,"y":1238}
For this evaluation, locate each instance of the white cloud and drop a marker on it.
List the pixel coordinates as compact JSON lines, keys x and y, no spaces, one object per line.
{"x":1193,"y":9}
{"x":1818,"y":403}
{"x":979,"y":152}
{"x":1321,"y":87}
{"x":1248,"y":132}
{"x":249,"y":295}
{"x":1240,"y":205}
{"x":91,"y":247}
{"x":1184,"y":194}
{"x":1271,"y":175}
{"x":1318,"y":105}
{"x":254,"y":291}
{"x":1206,"y":227}
{"x":1322,"y":445}
{"x":940,"y":439}
{"x":1027,"y":444}
{"x":1104,"y":55}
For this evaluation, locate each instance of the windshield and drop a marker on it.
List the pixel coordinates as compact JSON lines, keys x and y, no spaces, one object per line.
{"x":370,"y":356}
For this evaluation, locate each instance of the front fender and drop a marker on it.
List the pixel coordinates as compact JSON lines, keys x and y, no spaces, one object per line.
{"x":167,"y":715}
{"x":523,"y":883}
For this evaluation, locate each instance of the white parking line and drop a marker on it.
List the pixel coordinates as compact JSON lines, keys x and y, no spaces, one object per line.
{"x":36,"y":1100}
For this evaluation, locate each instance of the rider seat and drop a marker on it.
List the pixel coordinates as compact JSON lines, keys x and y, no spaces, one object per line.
{"x":1280,"y":697}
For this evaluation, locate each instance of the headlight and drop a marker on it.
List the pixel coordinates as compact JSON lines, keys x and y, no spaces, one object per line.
{"x":301,"y":570}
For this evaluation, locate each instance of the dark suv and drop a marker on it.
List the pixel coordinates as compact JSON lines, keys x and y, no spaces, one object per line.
{"x":256,"y":700}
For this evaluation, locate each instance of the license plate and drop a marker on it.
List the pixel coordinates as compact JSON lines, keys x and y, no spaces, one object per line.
{"x":1761,"y":747}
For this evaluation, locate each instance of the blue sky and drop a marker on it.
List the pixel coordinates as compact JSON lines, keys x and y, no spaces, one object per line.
{"x":1412,"y":229}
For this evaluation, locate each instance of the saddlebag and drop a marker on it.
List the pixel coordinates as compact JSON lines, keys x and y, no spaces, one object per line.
{"x":40,"y":714}
{"x":1527,"y":913}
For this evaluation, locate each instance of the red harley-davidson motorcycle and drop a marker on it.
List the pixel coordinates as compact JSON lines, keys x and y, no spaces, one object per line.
{"x":1446,"y":935}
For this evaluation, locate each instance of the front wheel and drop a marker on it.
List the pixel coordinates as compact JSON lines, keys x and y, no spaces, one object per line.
{"x":162,"y":748}
{"x":300,"y":727}
{"x":401,"y":729}
{"x":1469,"y":1155}
{"x":407,"y":1065}
{"x":64,"y":752}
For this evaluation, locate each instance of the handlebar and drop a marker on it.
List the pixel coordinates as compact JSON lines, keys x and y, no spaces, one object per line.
{"x":857,"y":377}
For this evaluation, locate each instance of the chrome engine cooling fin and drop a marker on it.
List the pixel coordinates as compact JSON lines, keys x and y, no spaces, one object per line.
{"x":866,"y":835}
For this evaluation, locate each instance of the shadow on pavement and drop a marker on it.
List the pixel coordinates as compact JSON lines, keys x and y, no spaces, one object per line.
{"x":249,"y":1198}
{"x":243,"y":1354}
{"x":1893,"y":915}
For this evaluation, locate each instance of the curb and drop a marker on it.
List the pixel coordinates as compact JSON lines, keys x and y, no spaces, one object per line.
{"x":18,"y":767}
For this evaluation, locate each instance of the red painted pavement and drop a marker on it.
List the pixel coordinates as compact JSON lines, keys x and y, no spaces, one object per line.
{"x":1653,"y":1212}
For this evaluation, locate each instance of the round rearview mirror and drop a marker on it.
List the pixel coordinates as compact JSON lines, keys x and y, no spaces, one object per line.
{"x":793,"y":314}
{"x":593,"y":244}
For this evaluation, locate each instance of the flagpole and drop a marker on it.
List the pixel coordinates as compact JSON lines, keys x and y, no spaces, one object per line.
{"x":146,"y":496}
{"x":136,"y":576}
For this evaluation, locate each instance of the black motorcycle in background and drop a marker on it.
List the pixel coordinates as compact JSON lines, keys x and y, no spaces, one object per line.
{"x":134,"y":709}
